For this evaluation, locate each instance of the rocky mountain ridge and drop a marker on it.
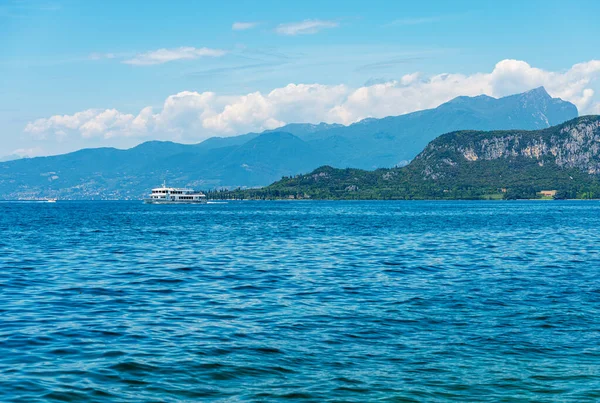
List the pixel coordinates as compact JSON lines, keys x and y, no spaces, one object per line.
{"x":575,"y":144}
{"x":468,"y":165}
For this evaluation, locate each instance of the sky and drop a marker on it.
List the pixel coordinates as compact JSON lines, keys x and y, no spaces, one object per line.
{"x":78,"y":74}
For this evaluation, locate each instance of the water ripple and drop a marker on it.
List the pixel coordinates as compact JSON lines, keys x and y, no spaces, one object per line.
{"x":319,"y":301}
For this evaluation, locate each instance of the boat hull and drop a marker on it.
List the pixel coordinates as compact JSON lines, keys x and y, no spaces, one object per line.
{"x":156,"y":201}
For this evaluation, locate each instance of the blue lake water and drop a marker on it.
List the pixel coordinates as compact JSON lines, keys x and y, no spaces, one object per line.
{"x":302,"y":301}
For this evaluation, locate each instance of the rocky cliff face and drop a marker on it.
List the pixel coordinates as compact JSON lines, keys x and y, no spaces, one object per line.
{"x":572,"y":145}
{"x":515,"y":164}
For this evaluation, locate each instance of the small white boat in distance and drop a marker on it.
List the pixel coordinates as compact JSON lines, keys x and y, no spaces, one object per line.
{"x":51,"y":200}
{"x":168,"y":195}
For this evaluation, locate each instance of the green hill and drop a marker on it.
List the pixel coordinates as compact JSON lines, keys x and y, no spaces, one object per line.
{"x":468,"y":165}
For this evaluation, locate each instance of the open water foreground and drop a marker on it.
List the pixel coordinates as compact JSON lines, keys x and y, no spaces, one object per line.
{"x":300,"y":301}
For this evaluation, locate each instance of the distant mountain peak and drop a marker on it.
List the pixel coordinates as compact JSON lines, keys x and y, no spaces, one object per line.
{"x":152,"y":143}
{"x":465,"y":99}
{"x":539,"y":92}
{"x":300,"y":129}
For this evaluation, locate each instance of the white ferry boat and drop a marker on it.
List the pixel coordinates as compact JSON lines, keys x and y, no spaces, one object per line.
{"x":168,"y":195}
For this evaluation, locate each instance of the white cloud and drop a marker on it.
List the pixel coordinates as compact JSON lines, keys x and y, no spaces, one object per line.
{"x":305,"y":27}
{"x":511,"y":76}
{"x":194,"y":116}
{"x":242,"y":26}
{"x":107,"y":123}
{"x":161,"y":56}
{"x":59,"y":123}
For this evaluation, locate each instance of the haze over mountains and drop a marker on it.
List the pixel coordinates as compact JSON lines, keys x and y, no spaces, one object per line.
{"x":259,"y":159}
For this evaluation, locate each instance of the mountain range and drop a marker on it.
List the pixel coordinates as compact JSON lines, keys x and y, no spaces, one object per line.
{"x":257,"y":159}
{"x":563,"y":160}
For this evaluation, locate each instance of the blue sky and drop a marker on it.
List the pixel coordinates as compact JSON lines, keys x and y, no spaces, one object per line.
{"x":116,"y":73}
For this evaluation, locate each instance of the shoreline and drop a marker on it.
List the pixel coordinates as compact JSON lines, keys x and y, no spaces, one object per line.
{"x":300,"y":200}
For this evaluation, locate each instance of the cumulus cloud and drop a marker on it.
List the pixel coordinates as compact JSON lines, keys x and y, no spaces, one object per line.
{"x":242,"y":26}
{"x":161,"y":56}
{"x":58,"y":124}
{"x":304,"y":27}
{"x":195,"y":116}
{"x":511,"y":76}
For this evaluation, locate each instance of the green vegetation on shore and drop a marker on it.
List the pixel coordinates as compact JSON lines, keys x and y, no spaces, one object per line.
{"x":465,"y":165}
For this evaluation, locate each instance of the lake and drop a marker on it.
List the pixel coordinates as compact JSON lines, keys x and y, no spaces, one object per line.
{"x":304,"y":301}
